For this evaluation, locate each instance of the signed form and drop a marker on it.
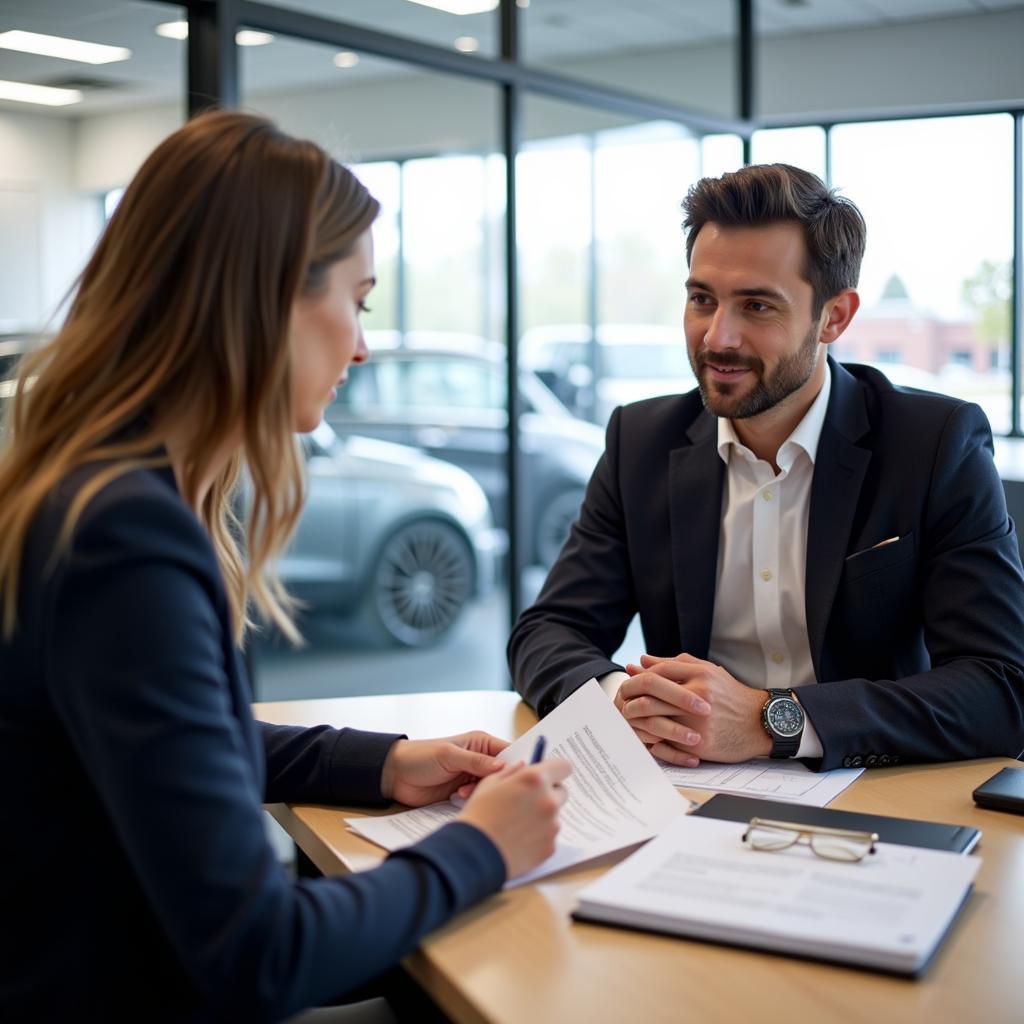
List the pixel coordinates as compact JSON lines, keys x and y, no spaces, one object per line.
{"x":618,"y":795}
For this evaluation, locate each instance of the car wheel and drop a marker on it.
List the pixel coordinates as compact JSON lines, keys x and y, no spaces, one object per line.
{"x":422,"y":581}
{"x":554,"y":520}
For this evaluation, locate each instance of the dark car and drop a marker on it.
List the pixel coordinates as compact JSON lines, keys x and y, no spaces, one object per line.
{"x":451,"y":403}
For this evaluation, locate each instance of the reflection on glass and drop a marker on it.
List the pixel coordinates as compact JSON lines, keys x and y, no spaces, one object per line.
{"x":935,"y":280}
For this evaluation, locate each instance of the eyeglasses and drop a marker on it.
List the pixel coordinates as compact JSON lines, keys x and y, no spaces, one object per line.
{"x":830,"y":843}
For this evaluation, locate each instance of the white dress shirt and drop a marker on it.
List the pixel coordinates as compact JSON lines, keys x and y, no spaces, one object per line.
{"x":759,"y":626}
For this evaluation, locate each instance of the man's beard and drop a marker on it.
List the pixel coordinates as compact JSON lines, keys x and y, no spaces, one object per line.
{"x":791,"y":373}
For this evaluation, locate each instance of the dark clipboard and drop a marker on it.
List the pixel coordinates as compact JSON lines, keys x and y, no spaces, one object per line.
{"x":930,"y":835}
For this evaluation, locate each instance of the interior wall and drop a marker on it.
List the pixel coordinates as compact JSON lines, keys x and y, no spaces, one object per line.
{"x":949,"y":61}
{"x":48,"y":225}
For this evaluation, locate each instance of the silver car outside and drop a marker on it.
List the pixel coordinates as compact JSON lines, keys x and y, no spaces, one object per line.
{"x":391,"y":535}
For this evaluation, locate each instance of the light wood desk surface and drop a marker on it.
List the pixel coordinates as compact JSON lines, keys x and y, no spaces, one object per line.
{"x":518,"y":958}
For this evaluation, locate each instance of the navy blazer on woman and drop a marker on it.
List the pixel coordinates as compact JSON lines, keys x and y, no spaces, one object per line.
{"x":918,"y":643}
{"x":137,"y":882}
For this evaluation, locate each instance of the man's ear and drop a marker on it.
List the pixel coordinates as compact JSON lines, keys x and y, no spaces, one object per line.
{"x":838,"y":313}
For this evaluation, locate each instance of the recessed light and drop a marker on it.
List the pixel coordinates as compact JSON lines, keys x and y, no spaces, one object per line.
{"x":346,"y":59}
{"x":467,"y":44}
{"x":249,"y":37}
{"x":65,"y":49}
{"x":458,"y":6}
{"x":172,"y":30}
{"x":46,"y":95}
{"x":244,"y":37}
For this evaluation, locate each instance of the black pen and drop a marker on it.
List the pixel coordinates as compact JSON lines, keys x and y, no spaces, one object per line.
{"x":538,"y":750}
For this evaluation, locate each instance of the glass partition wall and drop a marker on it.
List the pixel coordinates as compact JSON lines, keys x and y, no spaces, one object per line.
{"x":448,"y":472}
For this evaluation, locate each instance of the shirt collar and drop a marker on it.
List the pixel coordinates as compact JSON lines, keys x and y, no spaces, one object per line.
{"x":805,"y":435}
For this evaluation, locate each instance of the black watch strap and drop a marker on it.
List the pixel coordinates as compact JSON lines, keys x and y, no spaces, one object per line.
{"x":782,"y":746}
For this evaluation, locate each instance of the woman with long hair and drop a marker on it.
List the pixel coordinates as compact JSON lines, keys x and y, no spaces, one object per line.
{"x":216,"y":316}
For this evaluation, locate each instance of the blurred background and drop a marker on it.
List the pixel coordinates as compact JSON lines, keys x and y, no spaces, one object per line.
{"x":530,"y":157}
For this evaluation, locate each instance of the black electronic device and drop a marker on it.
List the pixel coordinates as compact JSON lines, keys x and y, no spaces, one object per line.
{"x":1003,"y":792}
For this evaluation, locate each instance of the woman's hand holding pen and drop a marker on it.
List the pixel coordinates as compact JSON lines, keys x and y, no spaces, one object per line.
{"x":420,"y":772}
{"x":517,"y":809}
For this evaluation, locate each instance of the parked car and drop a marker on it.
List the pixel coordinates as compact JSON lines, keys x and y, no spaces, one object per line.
{"x":629,"y":362}
{"x":451,"y":403}
{"x":389,"y":534}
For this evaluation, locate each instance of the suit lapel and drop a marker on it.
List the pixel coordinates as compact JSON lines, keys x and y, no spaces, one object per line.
{"x":696,"y":476}
{"x":839,"y":470}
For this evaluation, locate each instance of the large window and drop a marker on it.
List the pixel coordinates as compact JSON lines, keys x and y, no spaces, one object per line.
{"x":405,"y":544}
{"x":938,"y":200}
{"x":401,"y":548}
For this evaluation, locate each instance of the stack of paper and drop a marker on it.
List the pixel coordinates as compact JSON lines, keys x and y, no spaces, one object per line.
{"x":618,"y":796}
{"x":697,"y":879}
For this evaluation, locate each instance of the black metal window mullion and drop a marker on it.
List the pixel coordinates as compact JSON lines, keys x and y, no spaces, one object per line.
{"x":511,"y":135}
{"x":746,"y":71}
{"x":1017,"y":282}
{"x":212,"y":55}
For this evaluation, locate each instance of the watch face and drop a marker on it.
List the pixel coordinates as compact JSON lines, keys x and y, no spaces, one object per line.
{"x":785,"y":717}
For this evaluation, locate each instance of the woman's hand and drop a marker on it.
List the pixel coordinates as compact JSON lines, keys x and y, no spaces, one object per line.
{"x":419,"y":772}
{"x":517,"y":809}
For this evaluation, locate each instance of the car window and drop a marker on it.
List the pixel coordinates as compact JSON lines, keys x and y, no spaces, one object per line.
{"x":360,"y":390}
{"x":637,"y":361}
{"x":452,"y":383}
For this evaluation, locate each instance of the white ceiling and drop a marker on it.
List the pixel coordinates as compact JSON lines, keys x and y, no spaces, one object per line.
{"x":553,"y":31}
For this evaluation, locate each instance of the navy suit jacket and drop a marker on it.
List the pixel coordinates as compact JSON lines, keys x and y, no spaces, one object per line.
{"x":920,"y":643}
{"x":137,"y":882}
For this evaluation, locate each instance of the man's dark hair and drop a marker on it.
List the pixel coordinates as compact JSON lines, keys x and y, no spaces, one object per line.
{"x":763,"y":194}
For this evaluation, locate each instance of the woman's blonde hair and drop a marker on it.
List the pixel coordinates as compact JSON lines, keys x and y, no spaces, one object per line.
{"x":182,"y":312}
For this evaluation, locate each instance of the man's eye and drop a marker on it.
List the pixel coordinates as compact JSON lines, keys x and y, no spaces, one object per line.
{"x":759,"y":307}
{"x":700,"y":300}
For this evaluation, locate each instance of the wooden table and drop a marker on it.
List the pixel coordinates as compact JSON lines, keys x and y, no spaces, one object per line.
{"x":519,"y":959}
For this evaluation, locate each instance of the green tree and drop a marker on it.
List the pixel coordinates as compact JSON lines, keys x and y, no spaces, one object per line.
{"x":987,"y":294}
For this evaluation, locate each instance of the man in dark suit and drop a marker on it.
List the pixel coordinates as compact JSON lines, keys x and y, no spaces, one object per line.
{"x":822,"y":562}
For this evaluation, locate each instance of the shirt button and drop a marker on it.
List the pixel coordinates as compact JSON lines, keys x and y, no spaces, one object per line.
{"x":778,"y":657}
{"x":766,"y":574}
{"x":767,"y":495}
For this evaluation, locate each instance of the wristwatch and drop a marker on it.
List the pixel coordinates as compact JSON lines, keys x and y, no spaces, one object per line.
{"x":783,"y":720}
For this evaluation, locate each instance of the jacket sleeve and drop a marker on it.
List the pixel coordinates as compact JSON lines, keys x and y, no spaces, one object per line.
{"x":136,"y":673}
{"x":970,"y":611}
{"x":323,"y":765}
{"x":587,"y":602}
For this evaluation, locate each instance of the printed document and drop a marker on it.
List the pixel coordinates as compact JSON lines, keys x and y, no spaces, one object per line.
{"x":618,"y":796}
{"x":697,"y":879}
{"x":762,"y":777}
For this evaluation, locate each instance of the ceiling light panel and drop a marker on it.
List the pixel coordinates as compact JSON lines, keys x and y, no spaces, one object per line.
{"x":459,"y":6}
{"x":65,"y":49}
{"x":47,"y":96}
